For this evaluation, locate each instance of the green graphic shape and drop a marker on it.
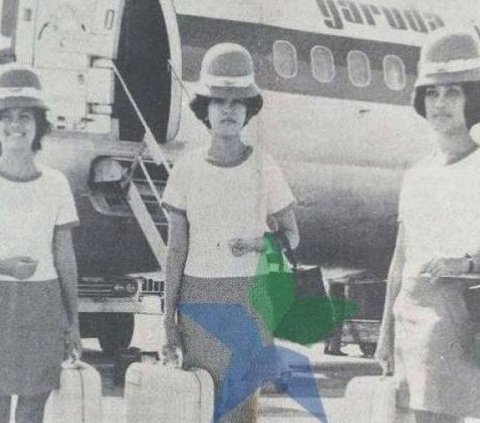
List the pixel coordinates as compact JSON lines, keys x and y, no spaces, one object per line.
{"x":301,"y":319}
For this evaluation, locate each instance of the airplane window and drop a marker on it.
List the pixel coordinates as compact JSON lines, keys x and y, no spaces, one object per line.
{"x":359,"y":68}
{"x":285,"y":59}
{"x":394,"y":72}
{"x":323,"y":66}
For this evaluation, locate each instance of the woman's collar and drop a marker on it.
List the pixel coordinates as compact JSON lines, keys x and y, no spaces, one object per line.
{"x":232,"y":163}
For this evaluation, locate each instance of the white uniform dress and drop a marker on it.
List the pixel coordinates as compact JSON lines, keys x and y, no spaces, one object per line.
{"x":440,"y":213}
{"x":221,"y":204}
{"x":32,"y":316}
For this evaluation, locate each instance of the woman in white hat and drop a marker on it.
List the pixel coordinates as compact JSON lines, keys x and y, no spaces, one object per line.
{"x":426,"y":324}
{"x":38,"y":294}
{"x":219,"y":199}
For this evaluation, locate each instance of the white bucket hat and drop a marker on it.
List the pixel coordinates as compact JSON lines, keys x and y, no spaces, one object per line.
{"x":449,"y":57}
{"x":227,"y":70}
{"x":20,"y":87}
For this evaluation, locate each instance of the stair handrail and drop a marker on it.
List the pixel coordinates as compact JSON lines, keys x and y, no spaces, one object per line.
{"x":149,"y":139}
{"x":150,"y":182}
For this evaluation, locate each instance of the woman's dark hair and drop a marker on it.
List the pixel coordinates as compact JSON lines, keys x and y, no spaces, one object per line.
{"x":472,"y":104}
{"x":43,"y":127}
{"x":199,"y":106}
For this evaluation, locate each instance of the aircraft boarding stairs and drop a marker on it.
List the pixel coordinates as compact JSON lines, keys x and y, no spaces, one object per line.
{"x":143,"y":184}
{"x":144,"y":198}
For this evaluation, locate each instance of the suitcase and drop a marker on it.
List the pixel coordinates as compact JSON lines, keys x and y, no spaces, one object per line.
{"x":156,"y":393}
{"x":373,"y":399}
{"x":79,"y":399}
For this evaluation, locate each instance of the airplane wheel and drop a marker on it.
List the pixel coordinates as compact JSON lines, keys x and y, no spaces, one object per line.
{"x":368,"y":348}
{"x":116,"y":331}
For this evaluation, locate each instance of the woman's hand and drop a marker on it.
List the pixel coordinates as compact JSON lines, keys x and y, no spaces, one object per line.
{"x":73,"y":343}
{"x":171,"y":352}
{"x":171,"y":355}
{"x":445,"y":266}
{"x":171,"y":331}
{"x":19,"y":267}
{"x":242,"y":246}
{"x":384,"y":354}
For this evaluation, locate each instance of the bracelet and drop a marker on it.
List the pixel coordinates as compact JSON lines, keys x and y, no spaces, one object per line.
{"x":471,"y":264}
{"x":253,"y":247}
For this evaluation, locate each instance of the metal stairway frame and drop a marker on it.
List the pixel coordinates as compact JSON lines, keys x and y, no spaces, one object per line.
{"x":140,"y":211}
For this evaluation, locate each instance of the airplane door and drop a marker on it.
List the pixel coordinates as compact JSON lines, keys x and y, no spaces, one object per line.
{"x":144,"y":55}
{"x":73,"y":44}
{"x":70,"y":37}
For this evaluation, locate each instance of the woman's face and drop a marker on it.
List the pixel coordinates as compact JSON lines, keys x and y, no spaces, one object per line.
{"x":445,"y":107}
{"x":18,"y":129}
{"x":227,"y":115}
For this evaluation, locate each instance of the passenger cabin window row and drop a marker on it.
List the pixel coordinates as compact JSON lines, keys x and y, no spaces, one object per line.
{"x":322,"y":65}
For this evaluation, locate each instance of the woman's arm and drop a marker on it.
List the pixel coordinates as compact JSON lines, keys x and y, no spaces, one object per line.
{"x":19,"y":267}
{"x":395,"y":272}
{"x":451,"y":266}
{"x":283,"y":221}
{"x":385,"y":346}
{"x":66,"y":265}
{"x":175,"y":264}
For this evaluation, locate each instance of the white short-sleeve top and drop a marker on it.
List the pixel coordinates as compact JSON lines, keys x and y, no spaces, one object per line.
{"x":440,"y":210}
{"x":224,"y":203}
{"x":29,"y":213}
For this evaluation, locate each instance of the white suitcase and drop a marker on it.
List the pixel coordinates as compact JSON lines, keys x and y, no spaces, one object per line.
{"x":156,"y":393}
{"x":373,"y":399}
{"x":79,"y":399}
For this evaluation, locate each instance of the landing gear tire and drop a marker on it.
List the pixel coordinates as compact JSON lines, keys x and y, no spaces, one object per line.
{"x":116,"y":331}
{"x":368,"y":348}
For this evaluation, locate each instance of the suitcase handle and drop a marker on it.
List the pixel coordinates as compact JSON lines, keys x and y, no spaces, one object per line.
{"x":178,"y":364}
{"x":71,"y":363}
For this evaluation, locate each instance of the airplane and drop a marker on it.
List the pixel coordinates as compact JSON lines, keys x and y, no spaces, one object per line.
{"x":336,"y":77}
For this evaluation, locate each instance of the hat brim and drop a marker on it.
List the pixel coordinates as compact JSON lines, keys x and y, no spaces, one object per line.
{"x":14,"y":102}
{"x":225,"y":92}
{"x":448,"y":77}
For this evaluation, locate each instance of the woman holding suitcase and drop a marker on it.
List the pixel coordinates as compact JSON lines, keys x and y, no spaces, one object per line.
{"x":38,"y":291}
{"x":219,"y":199}
{"x":426,"y":326}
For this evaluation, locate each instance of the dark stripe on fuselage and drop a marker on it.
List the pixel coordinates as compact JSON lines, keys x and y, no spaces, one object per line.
{"x":199,"y":33}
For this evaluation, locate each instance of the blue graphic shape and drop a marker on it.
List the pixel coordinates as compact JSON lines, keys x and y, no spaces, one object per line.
{"x":302,"y":389}
{"x":251,"y":364}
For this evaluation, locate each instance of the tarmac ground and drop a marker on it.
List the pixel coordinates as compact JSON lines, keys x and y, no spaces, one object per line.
{"x":331,"y":375}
